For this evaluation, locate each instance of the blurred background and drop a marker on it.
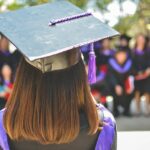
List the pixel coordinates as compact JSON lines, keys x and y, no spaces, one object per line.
{"x":123,"y":63}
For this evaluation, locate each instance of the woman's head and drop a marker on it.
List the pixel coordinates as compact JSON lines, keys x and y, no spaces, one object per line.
{"x":4,"y":44}
{"x":6,"y":72}
{"x":124,"y":40}
{"x":106,"y":44}
{"x":121,"y":56}
{"x":45,"y":107}
{"x":140,"y":41}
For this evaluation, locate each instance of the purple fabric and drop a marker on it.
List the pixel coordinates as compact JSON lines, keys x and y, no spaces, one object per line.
{"x":108,"y":52}
{"x":107,"y":135}
{"x":118,"y":68}
{"x":105,"y":139}
{"x":139,"y":52}
{"x":7,"y":83}
{"x":62,"y":20}
{"x":92,"y":65}
{"x":97,"y":45}
{"x":5,"y":52}
{"x":3,"y":137}
{"x":85,"y":48}
{"x":101,"y":76}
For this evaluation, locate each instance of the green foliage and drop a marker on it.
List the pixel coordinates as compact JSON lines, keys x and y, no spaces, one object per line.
{"x":143,"y":10}
{"x":14,"y":6}
{"x":79,"y":3}
{"x":102,"y":4}
{"x":1,"y":3}
{"x":125,"y":23}
{"x":35,"y":2}
{"x":137,"y":22}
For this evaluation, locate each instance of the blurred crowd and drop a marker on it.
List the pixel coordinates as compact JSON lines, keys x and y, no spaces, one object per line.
{"x":8,"y":65}
{"x":123,"y":71}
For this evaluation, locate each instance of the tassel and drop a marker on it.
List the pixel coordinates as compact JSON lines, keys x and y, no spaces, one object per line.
{"x":92,"y":65}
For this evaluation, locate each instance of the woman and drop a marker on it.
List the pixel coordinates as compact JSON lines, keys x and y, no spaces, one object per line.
{"x":141,"y":59}
{"x":51,"y":106}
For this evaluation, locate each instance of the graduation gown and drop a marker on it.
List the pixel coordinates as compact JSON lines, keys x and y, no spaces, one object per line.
{"x":104,"y":140}
{"x":120,"y":75}
{"x":141,"y":62}
{"x":103,"y":56}
{"x":12,"y":59}
{"x":6,"y":57}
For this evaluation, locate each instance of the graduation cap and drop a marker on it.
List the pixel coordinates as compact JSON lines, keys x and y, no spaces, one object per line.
{"x":49,"y":35}
{"x":125,"y":37}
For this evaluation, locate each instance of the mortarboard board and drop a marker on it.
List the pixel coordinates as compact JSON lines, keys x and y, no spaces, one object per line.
{"x":46,"y":33}
{"x":125,"y":37}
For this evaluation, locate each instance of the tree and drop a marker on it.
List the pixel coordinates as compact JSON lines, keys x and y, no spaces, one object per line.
{"x":102,"y":4}
{"x":137,"y":22}
{"x":17,"y":5}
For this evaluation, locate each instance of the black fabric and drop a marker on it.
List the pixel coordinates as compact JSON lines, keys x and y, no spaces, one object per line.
{"x":116,"y":78}
{"x":82,"y":142}
{"x":16,"y":57}
{"x":2,"y":103}
{"x":6,"y":58}
{"x":143,"y":86}
{"x":102,"y":59}
{"x":141,"y":63}
{"x":123,"y":100}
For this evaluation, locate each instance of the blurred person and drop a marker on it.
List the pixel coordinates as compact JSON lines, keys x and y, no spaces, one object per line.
{"x":7,"y":79}
{"x":141,"y":59}
{"x":103,"y":54}
{"x":6,"y":84}
{"x":121,"y":81}
{"x":124,"y":43}
{"x":5,"y":55}
{"x":2,"y":96}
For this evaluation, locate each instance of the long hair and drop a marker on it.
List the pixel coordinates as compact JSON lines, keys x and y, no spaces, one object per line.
{"x":46,"y":107}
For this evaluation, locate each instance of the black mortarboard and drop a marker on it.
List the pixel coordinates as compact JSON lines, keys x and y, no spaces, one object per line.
{"x":49,"y":35}
{"x":125,"y":37}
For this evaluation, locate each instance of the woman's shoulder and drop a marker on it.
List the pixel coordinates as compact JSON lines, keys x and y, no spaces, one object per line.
{"x":108,"y":136}
{"x":105,"y":114}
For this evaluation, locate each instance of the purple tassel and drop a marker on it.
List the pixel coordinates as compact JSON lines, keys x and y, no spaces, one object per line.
{"x":92,"y":65}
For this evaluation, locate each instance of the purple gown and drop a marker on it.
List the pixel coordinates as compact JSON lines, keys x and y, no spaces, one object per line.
{"x":105,"y":141}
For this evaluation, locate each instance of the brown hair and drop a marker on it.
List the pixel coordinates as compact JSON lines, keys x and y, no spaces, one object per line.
{"x":46,"y":107}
